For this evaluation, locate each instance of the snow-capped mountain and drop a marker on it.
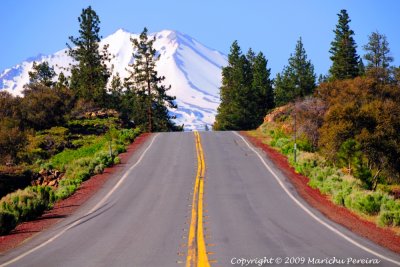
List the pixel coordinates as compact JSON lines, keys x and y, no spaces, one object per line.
{"x":192,"y":69}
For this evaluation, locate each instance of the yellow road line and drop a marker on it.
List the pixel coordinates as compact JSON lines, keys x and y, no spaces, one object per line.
{"x":197,"y":254}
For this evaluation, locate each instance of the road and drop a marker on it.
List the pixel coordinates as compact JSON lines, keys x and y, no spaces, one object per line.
{"x":181,"y":202}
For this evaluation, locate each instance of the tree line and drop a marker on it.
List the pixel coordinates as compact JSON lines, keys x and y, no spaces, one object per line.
{"x":51,"y":99}
{"x":351,"y":114}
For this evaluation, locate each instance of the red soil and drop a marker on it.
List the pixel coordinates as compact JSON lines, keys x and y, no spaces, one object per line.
{"x":382,"y":236}
{"x":67,"y":206}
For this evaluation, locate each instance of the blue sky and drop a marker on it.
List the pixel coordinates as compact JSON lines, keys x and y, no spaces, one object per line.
{"x":28,"y":28}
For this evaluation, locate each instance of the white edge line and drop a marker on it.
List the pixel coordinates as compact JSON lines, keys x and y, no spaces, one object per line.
{"x":104,"y":199}
{"x":352,"y":241}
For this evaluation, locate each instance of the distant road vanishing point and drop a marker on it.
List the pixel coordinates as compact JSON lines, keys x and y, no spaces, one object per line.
{"x":197,"y":199}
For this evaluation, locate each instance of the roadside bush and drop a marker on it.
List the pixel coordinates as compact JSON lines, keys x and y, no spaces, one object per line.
{"x":24,"y":205}
{"x":65,"y":191}
{"x":348,"y":190}
{"x":390,"y":213}
{"x":7,"y":222}
{"x":340,"y":195}
{"x":117,"y":160}
{"x":66,"y":188}
{"x":365,"y":202}
{"x":389,"y":218}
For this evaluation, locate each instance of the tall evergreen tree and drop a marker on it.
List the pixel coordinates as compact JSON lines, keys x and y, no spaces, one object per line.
{"x":378,"y":56}
{"x":297,"y":78}
{"x":262,"y":88}
{"x":344,"y":57}
{"x":246,"y":91}
{"x":90,"y":75}
{"x":148,"y":94}
{"x":234,"y":92}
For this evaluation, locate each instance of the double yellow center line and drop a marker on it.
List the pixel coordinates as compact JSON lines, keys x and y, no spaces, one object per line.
{"x":197,"y":255}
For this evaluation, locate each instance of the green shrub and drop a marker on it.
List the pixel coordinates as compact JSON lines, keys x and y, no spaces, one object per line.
{"x":120,"y":149}
{"x":390,"y":213}
{"x":91,"y":126}
{"x":117,"y":160}
{"x":46,"y":143}
{"x":340,"y":195}
{"x":8,"y":221}
{"x":65,"y":191}
{"x":389,"y":218}
{"x":99,"y":169}
{"x":29,"y":203}
{"x":365,"y":202}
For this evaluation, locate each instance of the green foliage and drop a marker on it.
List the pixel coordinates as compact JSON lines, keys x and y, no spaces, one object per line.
{"x":345,"y":61}
{"x":88,"y":160}
{"x":24,"y":205}
{"x":147,"y":94}
{"x":43,"y":107}
{"x":12,"y":140}
{"x":61,"y":160}
{"x":366,"y":203}
{"x":10,"y":106}
{"x":297,"y":79}
{"x":285,"y":144}
{"x":246,"y":91}
{"x":95,"y":126}
{"x":390,"y":213}
{"x":117,"y":160}
{"x":344,"y":190}
{"x":8,"y":221}
{"x":263,"y":97}
{"x":46,"y":143}
{"x":350,"y":154}
{"x":378,"y":57}
{"x":90,"y":75}
{"x":42,"y":74}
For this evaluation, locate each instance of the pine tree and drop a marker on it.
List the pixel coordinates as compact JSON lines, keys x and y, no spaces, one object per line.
{"x":297,"y":78}
{"x":378,"y":56}
{"x":90,"y":75}
{"x":62,"y":81}
{"x":234,"y":92}
{"x":246,"y":92}
{"x":42,"y":74}
{"x":262,"y":88}
{"x":148,"y":94}
{"x":344,"y":57}
{"x":361,"y":68}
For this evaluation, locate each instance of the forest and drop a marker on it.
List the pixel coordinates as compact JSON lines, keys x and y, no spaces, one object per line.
{"x":341,"y":131}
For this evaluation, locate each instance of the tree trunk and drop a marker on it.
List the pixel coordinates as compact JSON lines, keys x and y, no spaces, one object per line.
{"x":375,"y":180}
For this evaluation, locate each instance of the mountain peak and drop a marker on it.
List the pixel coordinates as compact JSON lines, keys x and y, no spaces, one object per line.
{"x":192,"y":69}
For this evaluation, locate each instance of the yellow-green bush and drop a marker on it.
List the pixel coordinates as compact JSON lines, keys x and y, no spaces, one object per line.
{"x":25,"y":205}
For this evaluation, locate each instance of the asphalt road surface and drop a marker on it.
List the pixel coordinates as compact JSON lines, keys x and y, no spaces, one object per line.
{"x":143,"y":218}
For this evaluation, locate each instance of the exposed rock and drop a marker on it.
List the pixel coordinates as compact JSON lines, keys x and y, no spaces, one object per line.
{"x":101,"y":113}
{"x":47,"y":177}
{"x":278,"y":112}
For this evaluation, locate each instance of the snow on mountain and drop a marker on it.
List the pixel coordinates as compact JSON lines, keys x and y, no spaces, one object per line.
{"x":192,"y":69}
